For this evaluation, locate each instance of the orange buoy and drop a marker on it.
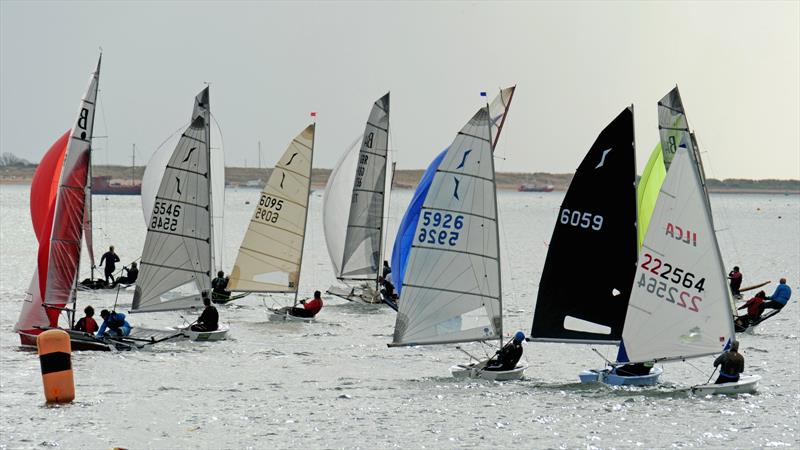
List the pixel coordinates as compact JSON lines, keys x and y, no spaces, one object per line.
{"x":55,"y":356}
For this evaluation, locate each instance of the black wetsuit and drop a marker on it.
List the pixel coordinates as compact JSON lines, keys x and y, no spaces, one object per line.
{"x":219,"y":286}
{"x":111,"y":259}
{"x":130,"y":278}
{"x":507,"y":357}
{"x":208,"y":320}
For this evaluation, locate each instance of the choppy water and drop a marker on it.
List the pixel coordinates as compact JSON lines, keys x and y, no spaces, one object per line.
{"x":334,"y":383}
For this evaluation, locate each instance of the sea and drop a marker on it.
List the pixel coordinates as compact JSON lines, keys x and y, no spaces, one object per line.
{"x":334,"y":383}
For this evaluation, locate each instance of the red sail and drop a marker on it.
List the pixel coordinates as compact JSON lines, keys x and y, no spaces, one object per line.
{"x":43,"y":199}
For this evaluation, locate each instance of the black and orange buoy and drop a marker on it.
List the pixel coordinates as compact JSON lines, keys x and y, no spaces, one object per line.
{"x":55,"y":356}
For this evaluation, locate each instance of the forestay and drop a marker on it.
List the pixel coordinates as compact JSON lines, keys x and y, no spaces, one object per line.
{"x":451,"y":286}
{"x":358,"y":185}
{"x":270,"y":255}
{"x":177,"y":259}
{"x":586,"y":281}
{"x":680,"y":305}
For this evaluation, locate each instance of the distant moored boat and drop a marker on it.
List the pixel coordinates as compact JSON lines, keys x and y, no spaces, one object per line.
{"x":535,"y":188}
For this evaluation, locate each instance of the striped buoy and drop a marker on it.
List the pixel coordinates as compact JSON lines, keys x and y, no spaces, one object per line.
{"x":55,"y":356}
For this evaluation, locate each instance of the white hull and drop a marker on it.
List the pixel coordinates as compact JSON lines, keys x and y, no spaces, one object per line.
{"x":275,"y":315}
{"x":219,"y":334}
{"x":476,"y":371}
{"x":746,"y":385}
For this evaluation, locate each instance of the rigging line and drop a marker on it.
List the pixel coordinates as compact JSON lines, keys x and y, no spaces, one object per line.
{"x":220,"y":207}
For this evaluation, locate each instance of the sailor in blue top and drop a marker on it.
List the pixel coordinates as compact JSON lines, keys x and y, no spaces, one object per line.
{"x":115,"y":323}
{"x":781,"y":295}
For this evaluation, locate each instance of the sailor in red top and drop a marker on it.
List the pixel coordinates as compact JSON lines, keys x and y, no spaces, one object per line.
{"x":755,"y":307}
{"x":314,"y":305}
{"x":87,"y":323}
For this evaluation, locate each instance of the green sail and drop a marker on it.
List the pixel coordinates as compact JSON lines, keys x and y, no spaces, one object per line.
{"x":648,"y":188}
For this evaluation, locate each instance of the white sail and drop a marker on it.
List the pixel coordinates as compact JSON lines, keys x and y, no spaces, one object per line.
{"x":358,"y":256}
{"x":217,"y":206}
{"x":270,"y":255}
{"x":680,"y":302}
{"x":451,"y":288}
{"x":151,"y":179}
{"x":177,"y":257}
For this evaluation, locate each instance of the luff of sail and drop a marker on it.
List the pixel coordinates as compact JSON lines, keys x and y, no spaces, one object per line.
{"x":70,"y":208}
{"x":596,"y":225}
{"x":680,"y":303}
{"x":271,"y":251}
{"x":176,"y":261}
{"x":364,"y":174}
{"x":451,"y":284}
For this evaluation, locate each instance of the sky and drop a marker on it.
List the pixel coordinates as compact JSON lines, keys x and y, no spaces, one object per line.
{"x":576,"y":66}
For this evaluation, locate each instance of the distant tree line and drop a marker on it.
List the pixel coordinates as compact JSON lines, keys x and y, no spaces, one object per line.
{"x":11,"y":160}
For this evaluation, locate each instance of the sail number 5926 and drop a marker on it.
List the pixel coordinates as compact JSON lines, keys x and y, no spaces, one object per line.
{"x":581,"y":219}
{"x":438,"y":228}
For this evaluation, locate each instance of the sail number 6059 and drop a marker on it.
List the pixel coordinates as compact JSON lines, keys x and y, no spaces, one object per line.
{"x":581,"y":219}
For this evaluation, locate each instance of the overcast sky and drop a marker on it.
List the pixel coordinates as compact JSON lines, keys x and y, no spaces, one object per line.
{"x":576,"y":64}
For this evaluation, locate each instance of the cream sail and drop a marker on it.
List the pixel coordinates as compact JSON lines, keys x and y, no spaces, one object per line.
{"x":270,"y":256}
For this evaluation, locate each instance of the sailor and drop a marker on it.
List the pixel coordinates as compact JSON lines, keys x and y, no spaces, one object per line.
{"x":781,"y":295}
{"x":312,"y":307}
{"x":130,"y":275}
{"x":736,"y":281}
{"x":209,"y":319}
{"x":507,"y":357}
{"x":386,"y":269}
{"x":387,"y":287}
{"x":754,"y":306}
{"x":87,"y":323}
{"x":220,"y":286}
{"x":732,"y":364}
{"x":115,"y":323}
{"x":111,"y":259}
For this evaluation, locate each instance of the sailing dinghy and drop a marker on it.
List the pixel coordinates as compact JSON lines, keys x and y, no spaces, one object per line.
{"x":179,"y":249}
{"x":597,"y":220}
{"x":359,"y":185}
{"x":448,"y":244}
{"x":61,"y":216}
{"x":271,"y":253}
{"x":680,"y":305}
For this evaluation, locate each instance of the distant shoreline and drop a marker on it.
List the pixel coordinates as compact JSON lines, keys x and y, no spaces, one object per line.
{"x":408,"y":179}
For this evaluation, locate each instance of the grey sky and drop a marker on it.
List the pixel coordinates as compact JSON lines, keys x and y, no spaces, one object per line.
{"x":576,"y":66}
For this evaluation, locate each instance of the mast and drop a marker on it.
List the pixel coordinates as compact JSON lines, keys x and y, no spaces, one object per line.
{"x":497,"y":215}
{"x":383,"y":206}
{"x":305,"y":221}
{"x":207,"y":117}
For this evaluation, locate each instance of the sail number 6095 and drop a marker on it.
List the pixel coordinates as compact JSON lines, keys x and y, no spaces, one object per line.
{"x":581,"y":219}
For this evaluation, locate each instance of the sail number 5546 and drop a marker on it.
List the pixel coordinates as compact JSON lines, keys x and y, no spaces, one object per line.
{"x":581,"y":219}
{"x":438,"y":228}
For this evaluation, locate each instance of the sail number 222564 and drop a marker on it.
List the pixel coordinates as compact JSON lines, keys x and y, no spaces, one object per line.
{"x":670,"y":283}
{"x":440,"y":228}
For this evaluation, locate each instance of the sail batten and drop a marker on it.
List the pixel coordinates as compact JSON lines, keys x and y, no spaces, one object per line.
{"x":270,"y":255}
{"x":449,"y":267}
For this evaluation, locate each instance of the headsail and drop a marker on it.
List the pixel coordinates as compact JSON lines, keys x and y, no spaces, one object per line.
{"x":647,"y":189}
{"x":451,"y":285}
{"x":270,"y":254}
{"x":680,"y":305}
{"x":596,"y":225}
{"x":177,"y":257}
{"x":357,"y":185}
{"x":68,"y":219}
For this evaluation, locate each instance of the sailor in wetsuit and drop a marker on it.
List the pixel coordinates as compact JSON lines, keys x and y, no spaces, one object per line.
{"x":507,"y":357}
{"x":209,"y":319}
{"x":732,"y":364}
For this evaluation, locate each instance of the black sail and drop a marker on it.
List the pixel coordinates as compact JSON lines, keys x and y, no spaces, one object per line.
{"x":591,"y":260}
